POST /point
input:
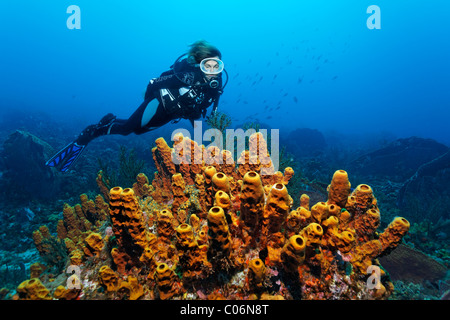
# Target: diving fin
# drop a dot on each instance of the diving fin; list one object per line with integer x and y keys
{"x": 66, "y": 156}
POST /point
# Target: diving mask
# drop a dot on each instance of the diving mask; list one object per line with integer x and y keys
{"x": 211, "y": 66}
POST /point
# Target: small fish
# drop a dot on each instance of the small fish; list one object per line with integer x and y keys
{"x": 334, "y": 78}
{"x": 295, "y": 99}
{"x": 235, "y": 76}
{"x": 274, "y": 77}
{"x": 277, "y": 108}
{"x": 245, "y": 102}
{"x": 269, "y": 117}
{"x": 300, "y": 79}
{"x": 284, "y": 95}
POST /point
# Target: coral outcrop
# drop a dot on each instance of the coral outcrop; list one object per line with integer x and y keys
{"x": 207, "y": 227}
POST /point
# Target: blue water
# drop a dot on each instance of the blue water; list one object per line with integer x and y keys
{"x": 345, "y": 77}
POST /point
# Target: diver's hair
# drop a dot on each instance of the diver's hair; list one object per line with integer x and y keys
{"x": 202, "y": 49}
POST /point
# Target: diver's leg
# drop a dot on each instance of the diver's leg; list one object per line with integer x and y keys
{"x": 110, "y": 125}
{"x": 67, "y": 156}
{"x": 149, "y": 116}
{"x": 96, "y": 130}
{"x": 137, "y": 123}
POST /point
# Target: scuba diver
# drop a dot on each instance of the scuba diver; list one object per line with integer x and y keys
{"x": 192, "y": 84}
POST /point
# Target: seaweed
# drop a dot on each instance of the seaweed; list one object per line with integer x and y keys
{"x": 219, "y": 120}
{"x": 129, "y": 167}
{"x": 57, "y": 255}
{"x": 11, "y": 274}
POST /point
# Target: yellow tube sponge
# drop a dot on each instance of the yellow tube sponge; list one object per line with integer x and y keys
{"x": 393, "y": 234}
{"x": 131, "y": 288}
{"x": 366, "y": 224}
{"x": 165, "y": 279}
{"x": 179, "y": 195}
{"x": 109, "y": 279}
{"x": 319, "y": 211}
{"x": 33, "y": 289}
{"x": 364, "y": 198}
{"x": 142, "y": 188}
{"x": 209, "y": 171}
{"x": 333, "y": 210}
{"x": 220, "y": 182}
{"x": 312, "y": 234}
{"x": 293, "y": 253}
{"x": 135, "y": 223}
{"x": 346, "y": 241}
{"x": 339, "y": 188}
{"x": 277, "y": 207}
{"x": 256, "y": 272}
{"x": 192, "y": 257}
{"x": 222, "y": 199}
{"x": 93, "y": 244}
{"x": 252, "y": 200}
{"x": 185, "y": 237}
{"x": 288, "y": 174}
{"x": 62, "y": 293}
{"x": 293, "y": 222}
{"x": 165, "y": 227}
{"x": 219, "y": 235}
{"x": 304, "y": 201}
{"x": 362, "y": 256}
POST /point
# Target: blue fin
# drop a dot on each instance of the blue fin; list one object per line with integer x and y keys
{"x": 66, "y": 156}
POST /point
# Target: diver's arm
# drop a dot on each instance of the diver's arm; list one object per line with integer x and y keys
{"x": 165, "y": 81}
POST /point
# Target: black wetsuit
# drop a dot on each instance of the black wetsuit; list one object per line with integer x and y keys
{"x": 181, "y": 92}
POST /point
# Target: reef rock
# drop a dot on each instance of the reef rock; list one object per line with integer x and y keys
{"x": 400, "y": 159}
{"x": 305, "y": 142}
{"x": 23, "y": 162}
{"x": 408, "y": 264}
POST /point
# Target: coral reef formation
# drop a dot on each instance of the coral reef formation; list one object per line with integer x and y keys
{"x": 22, "y": 155}
{"x": 206, "y": 227}
{"x": 412, "y": 265}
